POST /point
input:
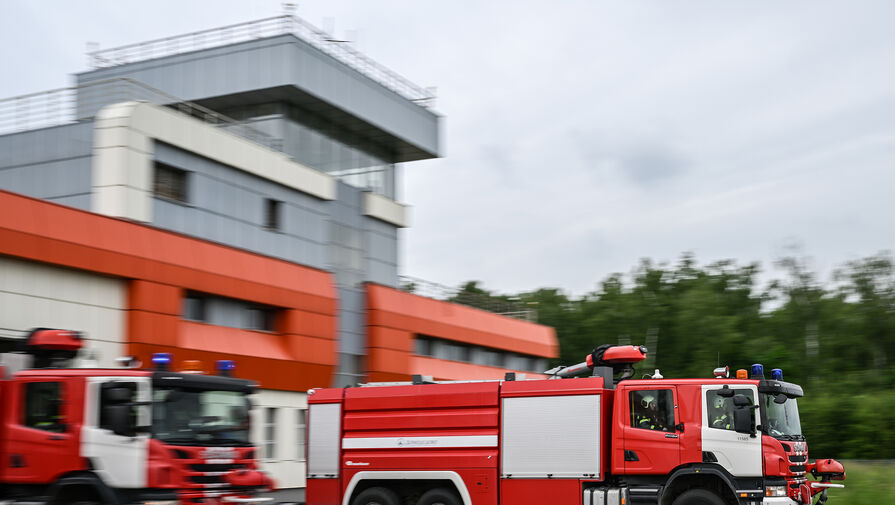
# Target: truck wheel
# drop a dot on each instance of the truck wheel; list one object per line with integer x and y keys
{"x": 438, "y": 496}
{"x": 376, "y": 496}
{"x": 698, "y": 497}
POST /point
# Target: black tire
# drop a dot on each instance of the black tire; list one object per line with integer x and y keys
{"x": 376, "y": 496}
{"x": 439, "y": 496}
{"x": 698, "y": 497}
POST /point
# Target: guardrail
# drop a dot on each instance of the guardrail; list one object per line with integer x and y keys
{"x": 501, "y": 306}
{"x": 268, "y": 27}
{"x": 79, "y": 103}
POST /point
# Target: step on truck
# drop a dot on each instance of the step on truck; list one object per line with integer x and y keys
{"x": 122, "y": 435}
{"x": 604, "y": 439}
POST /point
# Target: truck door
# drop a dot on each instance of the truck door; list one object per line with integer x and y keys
{"x": 738, "y": 453}
{"x": 42, "y": 443}
{"x": 651, "y": 437}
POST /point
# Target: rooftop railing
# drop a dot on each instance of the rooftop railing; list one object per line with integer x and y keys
{"x": 81, "y": 103}
{"x": 496, "y": 304}
{"x": 286, "y": 24}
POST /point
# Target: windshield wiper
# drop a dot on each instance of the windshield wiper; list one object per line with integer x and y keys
{"x": 180, "y": 441}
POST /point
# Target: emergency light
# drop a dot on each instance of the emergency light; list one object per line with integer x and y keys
{"x": 161, "y": 360}
{"x": 225, "y": 367}
{"x": 758, "y": 371}
{"x": 742, "y": 374}
{"x": 777, "y": 374}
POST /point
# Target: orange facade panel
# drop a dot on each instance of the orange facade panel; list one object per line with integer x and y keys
{"x": 395, "y": 318}
{"x": 162, "y": 265}
{"x": 392, "y": 308}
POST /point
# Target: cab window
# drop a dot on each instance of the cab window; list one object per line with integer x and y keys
{"x": 652, "y": 409}
{"x": 720, "y": 409}
{"x": 43, "y": 406}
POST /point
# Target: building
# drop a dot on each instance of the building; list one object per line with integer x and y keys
{"x": 232, "y": 194}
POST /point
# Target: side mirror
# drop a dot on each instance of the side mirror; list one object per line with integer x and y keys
{"x": 743, "y": 419}
{"x": 120, "y": 420}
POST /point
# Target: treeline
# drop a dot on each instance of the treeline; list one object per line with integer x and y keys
{"x": 836, "y": 338}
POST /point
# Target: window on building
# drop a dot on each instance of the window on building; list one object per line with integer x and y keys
{"x": 270, "y": 432}
{"x": 272, "y": 214}
{"x": 652, "y": 409}
{"x": 170, "y": 182}
{"x": 422, "y": 346}
{"x": 259, "y": 318}
{"x": 43, "y": 406}
{"x": 720, "y": 409}
{"x": 301, "y": 423}
{"x": 194, "y": 307}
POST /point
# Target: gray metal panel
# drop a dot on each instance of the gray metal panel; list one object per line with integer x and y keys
{"x": 551, "y": 435}
{"x": 51, "y": 163}
{"x": 324, "y": 440}
{"x": 226, "y": 205}
{"x": 308, "y": 76}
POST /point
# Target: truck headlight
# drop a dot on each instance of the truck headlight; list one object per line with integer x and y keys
{"x": 775, "y": 491}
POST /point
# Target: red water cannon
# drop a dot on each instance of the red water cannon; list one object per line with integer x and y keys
{"x": 53, "y": 348}
{"x": 606, "y": 361}
{"x": 825, "y": 470}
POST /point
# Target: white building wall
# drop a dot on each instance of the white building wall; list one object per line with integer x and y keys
{"x": 35, "y": 295}
{"x": 288, "y": 464}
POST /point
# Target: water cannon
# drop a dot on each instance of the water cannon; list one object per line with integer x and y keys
{"x": 605, "y": 361}
{"x": 53, "y": 348}
{"x": 824, "y": 470}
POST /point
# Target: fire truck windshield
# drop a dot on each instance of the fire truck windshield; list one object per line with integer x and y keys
{"x": 200, "y": 417}
{"x": 781, "y": 419}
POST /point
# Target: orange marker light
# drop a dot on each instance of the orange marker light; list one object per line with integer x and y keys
{"x": 191, "y": 366}
{"x": 742, "y": 374}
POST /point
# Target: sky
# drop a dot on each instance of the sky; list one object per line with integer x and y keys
{"x": 581, "y": 136}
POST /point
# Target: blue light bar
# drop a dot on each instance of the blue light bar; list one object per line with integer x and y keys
{"x": 225, "y": 366}
{"x": 758, "y": 371}
{"x": 161, "y": 360}
{"x": 777, "y": 374}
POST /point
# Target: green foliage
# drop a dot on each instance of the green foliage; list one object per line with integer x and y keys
{"x": 867, "y": 483}
{"x": 837, "y": 341}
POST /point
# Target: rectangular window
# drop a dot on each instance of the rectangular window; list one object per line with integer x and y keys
{"x": 272, "y": 210}
{"x": 43, "y": 406}
{"x": 194, "y": 307}
{"x": 270, "y": 432}
{"x": 422, "y": 346}
{"x": 652, "y": 409}
{"x": 259, "y": 318}
{"x": 720, "y": 409}
{"x": 170, "y": 183}
{"x": 301, "y": 421}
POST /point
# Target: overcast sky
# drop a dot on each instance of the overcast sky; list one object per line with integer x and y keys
{"x": 582, "y": 136}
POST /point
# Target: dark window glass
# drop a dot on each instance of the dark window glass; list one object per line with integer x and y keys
{"x": 170, "y": 182}
{"x": 423, "y": 346}
{"x": 272, "y": 210}
{"x": 652, "y": 409}
{"x": 43, "y": 406}
{"x": 194, "y": 307}
{"x": 259, "y": 318}
{"x": 720, "y": 409}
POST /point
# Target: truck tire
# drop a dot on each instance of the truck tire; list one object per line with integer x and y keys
{"x": 376, "y": 496}
{"x": 698, "y": 497}
{"x": 439, "y": 496}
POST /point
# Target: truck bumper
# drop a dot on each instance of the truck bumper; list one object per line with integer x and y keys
{"x": 782, "y": 500}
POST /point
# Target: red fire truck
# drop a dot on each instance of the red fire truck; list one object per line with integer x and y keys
{"x": 120, "y": 436}
{"x": 606, "y": 439}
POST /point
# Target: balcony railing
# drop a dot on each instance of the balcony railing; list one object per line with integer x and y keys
{"x": 268, "y": 27}
{"x": 498, "y": 305}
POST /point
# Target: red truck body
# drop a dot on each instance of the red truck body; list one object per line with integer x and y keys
{"x": 84, "y": 435}
{"x": 575, "y": 441}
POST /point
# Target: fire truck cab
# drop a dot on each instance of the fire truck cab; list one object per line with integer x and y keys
{"x": 602, "y": 439}
{"x": 120, "y": 436}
